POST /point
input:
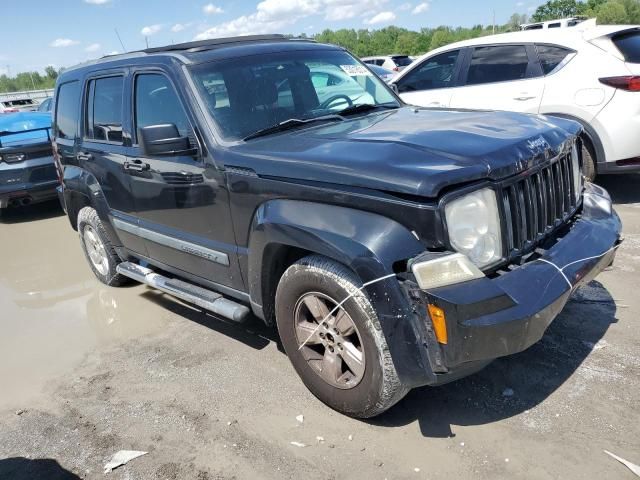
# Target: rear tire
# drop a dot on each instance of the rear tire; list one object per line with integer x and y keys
{"x": 347, "y": 364}
{"x": 98, "y": 250}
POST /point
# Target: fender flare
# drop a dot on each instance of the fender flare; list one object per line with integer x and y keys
{"x": 367, "y": 243}
{"x": 77, "y": 181}
{"x": 591, "y": 133}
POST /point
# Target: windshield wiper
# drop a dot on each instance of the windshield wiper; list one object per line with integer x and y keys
{"x": 365, "y": 107}
{"x": 291, "y": 123}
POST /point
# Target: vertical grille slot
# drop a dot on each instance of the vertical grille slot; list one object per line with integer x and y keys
{"x": 536, "y": 203}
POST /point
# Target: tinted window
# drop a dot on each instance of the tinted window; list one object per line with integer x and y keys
{"x": 629, "y": 46}
{"x": 436, "y": 72}
{"x": 157, "y": 103}
{"x": 401, "y": 61}
{"x": 554, "y": 25}
{"x": 551, "y": 56}
{"x": 67, "y": 110}
{"x": 104, "y": 109}
{"x": 497, "y": 64}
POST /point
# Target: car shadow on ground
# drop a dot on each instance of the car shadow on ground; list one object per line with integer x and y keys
{"x": 20, "y": 468}
{"x": 512, "y": 385}
{"x": 507, "y": 387}
{"x": 253, "y": 332}
{"x": 30, "y": 213}
{"x": 623, "y": 189}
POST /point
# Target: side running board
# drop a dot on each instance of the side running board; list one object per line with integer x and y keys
{"x": 211, "y": 301}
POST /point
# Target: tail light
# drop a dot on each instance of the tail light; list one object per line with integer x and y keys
{"x": 630, "y": 83}
{"x": 11, "y": 110}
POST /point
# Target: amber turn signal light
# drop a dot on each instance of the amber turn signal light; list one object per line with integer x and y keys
{"x": 439, "y": 323}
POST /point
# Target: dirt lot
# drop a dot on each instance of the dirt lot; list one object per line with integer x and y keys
{"x": 87, "y": 370}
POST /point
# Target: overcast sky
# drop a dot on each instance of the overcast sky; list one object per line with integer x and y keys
{"x": 37, "y": 33}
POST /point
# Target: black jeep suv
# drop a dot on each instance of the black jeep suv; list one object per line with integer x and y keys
{"x": 392, "y": 246}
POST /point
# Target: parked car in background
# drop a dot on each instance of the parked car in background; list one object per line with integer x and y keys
{"x": 395, "y": 63}
{"x": 27, "y": 172}
{"x": 18, "y": 105}
{"x": 383, "y": 73}
{"x": 590, "y": 75}
{"x": 45, "y": 105}
{"x": 391, "y": 245}
{"x": 559, "y": 23}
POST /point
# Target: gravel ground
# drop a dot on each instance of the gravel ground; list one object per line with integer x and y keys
{"x": 87, "y": 371}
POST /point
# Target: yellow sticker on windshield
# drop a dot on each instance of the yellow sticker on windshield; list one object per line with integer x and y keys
{"x": 355, "y": 70}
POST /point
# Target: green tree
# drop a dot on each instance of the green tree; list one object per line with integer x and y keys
{"x": 51, "y": 72}
{"x": 611, "y": 13}
{"x": 558, "y": 9}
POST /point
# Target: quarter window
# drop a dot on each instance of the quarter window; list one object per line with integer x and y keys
{"x": 157, "y": 103}
{"x": 498, "y": 64}
{"x": 67, "y": 110}
{"x": 551, "y": 56}
{"x": 436, "y": 72}
{"x": 104, "y": 109}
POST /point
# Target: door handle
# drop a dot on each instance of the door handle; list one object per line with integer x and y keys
{"x": 523, "y": 99}
{"x": 84, "y": 157}
{"x": 136, "y": 166}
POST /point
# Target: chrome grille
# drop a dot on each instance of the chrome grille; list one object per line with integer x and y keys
{"x": 537, "y": 203}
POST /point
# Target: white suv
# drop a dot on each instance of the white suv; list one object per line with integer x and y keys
{"x": 395, "y": 63}
{"x": 587, "y": 73}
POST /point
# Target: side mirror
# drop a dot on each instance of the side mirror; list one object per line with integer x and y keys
{"x": 164, "y": 140}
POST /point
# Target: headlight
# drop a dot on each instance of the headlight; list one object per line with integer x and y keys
{"x": 577, "y": 172}
{"x": 474, "y": 226}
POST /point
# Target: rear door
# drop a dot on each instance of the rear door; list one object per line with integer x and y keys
{"x": 103, "y": 149}
{"x": 181, "y": 200}
{"x": 430, "y": 84}
{"x": 501, "y": 77}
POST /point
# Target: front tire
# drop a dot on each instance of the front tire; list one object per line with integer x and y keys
{"x": 345, "y": 362}
{"x": 98, "y": 250}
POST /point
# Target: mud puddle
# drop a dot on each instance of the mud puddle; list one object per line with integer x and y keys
{"x": 53, "y": 311}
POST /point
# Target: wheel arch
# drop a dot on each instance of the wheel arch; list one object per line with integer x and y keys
{"x": 591, "y": 135}
{"x": 283, "y": 231}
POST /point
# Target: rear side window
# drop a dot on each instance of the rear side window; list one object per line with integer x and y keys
{"x": 498, "y": 64}
{"x": 67, "y": 108}
{"x": 157, "y": 103}
{"x": 629, "y": 46}
{"x": 104, "y": 109}
{"x": 551, "y": 56}
{"x": 436, "y": 72}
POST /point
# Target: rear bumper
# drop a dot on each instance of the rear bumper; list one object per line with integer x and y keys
{"x": 490, "y": 318}
{"x": 30, "y": 181}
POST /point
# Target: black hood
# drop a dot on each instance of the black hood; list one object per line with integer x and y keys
{"x": 409, "y": 150}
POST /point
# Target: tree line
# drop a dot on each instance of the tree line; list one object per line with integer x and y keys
{"x": 29, "y": 80}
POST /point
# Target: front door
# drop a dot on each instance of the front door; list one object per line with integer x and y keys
{"x": 181, "y": 202}
{"x": 431, "y": 83}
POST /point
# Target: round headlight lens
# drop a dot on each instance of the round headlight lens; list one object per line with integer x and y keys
{"x": 474, "y": 226}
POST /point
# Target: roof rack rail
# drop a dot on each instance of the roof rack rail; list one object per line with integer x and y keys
{"x": 214, "y": 42}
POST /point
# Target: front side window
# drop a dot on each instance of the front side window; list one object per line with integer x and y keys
{"x": 498, "y": 64}
{"x": 104, "y": 109}
{"x": 435, "y": 72}
{"x": 248, "y": 94}
{"x": 67, "y": 108}
{"x": 551, "y": 56}
{"x": 156, "y": 103}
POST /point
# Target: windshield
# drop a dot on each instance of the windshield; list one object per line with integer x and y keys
{"x": 246, "y": 95}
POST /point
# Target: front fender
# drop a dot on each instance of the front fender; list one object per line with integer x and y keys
{"x": 367, "y": 243}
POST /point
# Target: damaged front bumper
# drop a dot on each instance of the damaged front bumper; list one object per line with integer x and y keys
{"x": 489, "y": 318}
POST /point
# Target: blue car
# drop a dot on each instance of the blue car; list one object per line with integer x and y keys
{"x": 27, "y": 170}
